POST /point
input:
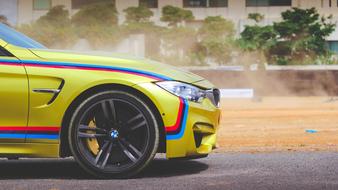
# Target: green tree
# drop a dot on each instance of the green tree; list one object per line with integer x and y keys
{"x": 97, "y": 23}
{"x": 301, "y": 36}
{"x": 175, "y": 15}
{"x": 298, "y": 39}
{"x": 97, "y": 14}
{"x": 217, "y": 26}
{"x": 140, "y": 14}
{"x": 258, "y": 38}
{"x": 138, "y": 21}
{"x": 178, "y": 43}
{"x": 53, "y": 29}
{"x": 216, "y": 39}
{"x": 57, "y": 16}
{"x": 256, "y": 17}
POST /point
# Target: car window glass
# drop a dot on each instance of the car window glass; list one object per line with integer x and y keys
{"x": 16, "y": 38}
{"x": 4, "y": 53}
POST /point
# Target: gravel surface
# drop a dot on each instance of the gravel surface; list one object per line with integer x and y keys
{"x": 283, "y": 170}
{"x": 279, "y": 123}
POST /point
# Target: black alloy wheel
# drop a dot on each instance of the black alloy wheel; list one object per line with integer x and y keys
{"x": 113, "y": 134}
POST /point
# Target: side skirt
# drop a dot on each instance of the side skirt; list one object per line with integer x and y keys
{"x": 30, "y": 150}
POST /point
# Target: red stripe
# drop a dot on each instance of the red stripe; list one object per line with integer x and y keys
{"x": 178, "y": 120}
{"x": 35, "y": 129}
{"x": 11, "y": 64}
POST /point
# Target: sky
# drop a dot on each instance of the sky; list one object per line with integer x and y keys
{"x": 9, "y": 9}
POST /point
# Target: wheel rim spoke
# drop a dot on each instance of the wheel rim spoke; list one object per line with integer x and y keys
{"x": 104, "y": 146}
{"x": 113, "y": 134}
{"x": 136, "y": 126}
{"x": 134, "y": 149}
{"x": 100, "y": 121}
{"x": 139, "y": 116}
{"x": 89, "y": 135}
{"x": 107, "y": 154}
{"x": 127, "y": 152}
{"x": 109, "y": 112}
{"x": 87, "y": 128}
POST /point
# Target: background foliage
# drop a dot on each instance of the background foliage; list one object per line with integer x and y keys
{"x": 299, "y": 38}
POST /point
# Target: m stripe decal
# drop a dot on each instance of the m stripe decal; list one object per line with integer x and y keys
{"x": 65, "y": 65}
{"x": 177, "y": 131}
{"x": 15, "y": 132}
{"x": 173, "y": 132}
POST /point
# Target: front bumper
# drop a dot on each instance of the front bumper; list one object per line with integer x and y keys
{"x": 190, "y": 127}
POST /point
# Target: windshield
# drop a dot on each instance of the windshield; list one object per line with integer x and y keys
{"x": 13, "y": 37}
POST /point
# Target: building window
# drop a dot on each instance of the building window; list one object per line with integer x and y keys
{"x": 77, "y": 4}
{"x": 205, "y": 3}
{"x": 218, "y": 3}
{"x": 149, "y": 3}
{"x": 42, "y": 4}
{"x": 333, "y": 46}
{"x": 263, "y": 3}
{"x": 195, "y": 3}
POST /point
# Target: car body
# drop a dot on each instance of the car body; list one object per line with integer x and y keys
{"x": 40, "y": 90}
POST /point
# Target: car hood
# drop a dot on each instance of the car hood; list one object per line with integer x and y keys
{"x": 122, "y": 61}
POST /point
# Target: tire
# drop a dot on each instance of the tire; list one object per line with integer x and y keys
{"x": 113, "y": 134}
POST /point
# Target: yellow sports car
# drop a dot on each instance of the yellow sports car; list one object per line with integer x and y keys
{"x": 112, "y": 113}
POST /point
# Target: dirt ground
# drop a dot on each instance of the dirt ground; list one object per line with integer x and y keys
{"x": 279, "y": 124}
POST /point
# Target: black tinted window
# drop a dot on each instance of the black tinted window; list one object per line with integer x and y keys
{"x": 258, "y": 3}
{"x": 218, "y": 3}
{"x": 77, "y": 4}
{"x": 195, "y": 3}
{"x": 149, "y": 3}
{"x": 5, "y": 53}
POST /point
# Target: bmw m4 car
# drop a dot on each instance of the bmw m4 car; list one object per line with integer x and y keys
{"x": 112, "y": 113}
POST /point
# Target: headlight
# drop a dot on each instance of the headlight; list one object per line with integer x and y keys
{"x": 183, "y": 90}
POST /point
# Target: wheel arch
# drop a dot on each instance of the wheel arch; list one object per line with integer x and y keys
{"x": 64, "y": 144}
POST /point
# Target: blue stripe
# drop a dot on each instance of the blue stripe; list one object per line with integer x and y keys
{"x": 42, "y": 136}
{"x": 67, "y": 64}
{"x": 184, "y": 123}
{"x": 12, "y": 136}
{"x": 29, "y": 136}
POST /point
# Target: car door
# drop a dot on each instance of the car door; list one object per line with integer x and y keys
{"x": 13, "y": 98}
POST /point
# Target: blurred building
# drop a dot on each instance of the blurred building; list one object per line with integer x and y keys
{"x": 235, "y": 10}
{"x": 8, "y": 8}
